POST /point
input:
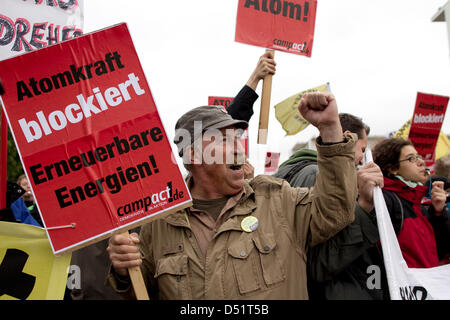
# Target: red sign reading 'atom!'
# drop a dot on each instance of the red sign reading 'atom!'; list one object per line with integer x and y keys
{"x": 277, "y": 24}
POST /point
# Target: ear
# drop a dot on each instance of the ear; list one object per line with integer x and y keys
{"x": 188, "y": 155}
{"x": 393, "y": 172}
{"x": 347, "y": 131}
{"x": 196, "y": 154}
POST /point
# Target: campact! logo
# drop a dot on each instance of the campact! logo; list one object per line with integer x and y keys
{"x": 290, "y": 46}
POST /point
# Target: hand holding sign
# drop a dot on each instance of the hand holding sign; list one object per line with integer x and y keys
{"x": 266, "y": 66}
{"x": 265, "y": 107}
{"x": 126, "y": 260}
{"x": 265, "y": 69}
{"x": 124, "y": 252}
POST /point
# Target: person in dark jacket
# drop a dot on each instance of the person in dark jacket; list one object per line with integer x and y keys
{"x": 16, "y": 210}
{"x": 422, "y": 231}
{"x": 28, "y": 198}
{"x": 241, "y": 108}
{"x": 343, "y": 267}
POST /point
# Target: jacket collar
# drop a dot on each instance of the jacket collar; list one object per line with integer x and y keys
{"x": 411, "y": 194}
{"x": 242, "y": 204}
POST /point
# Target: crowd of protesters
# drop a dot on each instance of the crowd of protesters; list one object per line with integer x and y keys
{"x": 307, "y": 232}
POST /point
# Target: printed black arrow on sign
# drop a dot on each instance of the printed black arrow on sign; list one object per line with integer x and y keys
{"x": 13, "y": 281}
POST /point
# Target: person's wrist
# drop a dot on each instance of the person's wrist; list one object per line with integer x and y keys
{"x": 252, "y": 82}
{"x": 121, "y": 277}
{"x": 331, "y": 133}
{"x": 123, "y": 282}
{"x": 439, "y": 212}
{"x": 120, "y": 272}
{"x": 365, "y": 204}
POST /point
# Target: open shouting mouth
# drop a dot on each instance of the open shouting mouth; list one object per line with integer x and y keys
{"x": 235, "y": 167}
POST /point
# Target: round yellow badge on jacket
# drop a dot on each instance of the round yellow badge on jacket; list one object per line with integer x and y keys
{"x": 249, "y": 224}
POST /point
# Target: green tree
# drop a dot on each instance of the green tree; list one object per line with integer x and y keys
{"x": 14, "y": 166}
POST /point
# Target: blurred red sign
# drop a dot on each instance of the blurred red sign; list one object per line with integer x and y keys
{"x": 226, "y": 101}
{"x": 429, "y": 114}
{"x": 271, "y": 163}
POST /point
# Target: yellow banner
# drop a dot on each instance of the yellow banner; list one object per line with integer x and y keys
{"x": 442, "y": 145}
{"x": 287, "y": 113}
{"x": 28, "y": 268}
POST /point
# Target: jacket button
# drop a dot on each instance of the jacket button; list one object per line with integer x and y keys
{"x": 266, "y": 248}
{"x": 243, "y": 254}
{"x": 180, "y": 247}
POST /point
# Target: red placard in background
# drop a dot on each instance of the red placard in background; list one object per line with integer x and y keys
{"x": 271, "y": 163}
{"x": 226, "y": 101}
{"x": 90, "y": 138}
{"x": 220, "y": 101}
{"x": 429, "y": 114}
{"x": 274, "y": 24}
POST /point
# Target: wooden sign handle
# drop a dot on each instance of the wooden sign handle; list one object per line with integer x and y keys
{"x": 137, "y": 280}
{"x": 265, "y": 108}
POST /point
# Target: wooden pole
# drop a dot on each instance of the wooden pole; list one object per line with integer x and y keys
{"x": 265, "y": 108}
{"x": 137, "y": 280}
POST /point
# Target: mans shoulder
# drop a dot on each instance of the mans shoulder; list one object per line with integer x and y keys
{"x": 263, "y": 180}
{"x": 265, "y": 184}
{"x": 268, "y": 184}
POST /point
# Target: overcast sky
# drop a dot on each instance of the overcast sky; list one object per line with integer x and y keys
{"x": 376, "y": 55}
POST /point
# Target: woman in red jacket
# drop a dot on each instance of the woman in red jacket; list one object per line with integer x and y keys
{"x": 422, "y": 231}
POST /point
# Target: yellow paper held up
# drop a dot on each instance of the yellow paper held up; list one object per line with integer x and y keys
{"x": 287, "y": 113}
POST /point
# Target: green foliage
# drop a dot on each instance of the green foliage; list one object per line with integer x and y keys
{"x": 14, "y": 166}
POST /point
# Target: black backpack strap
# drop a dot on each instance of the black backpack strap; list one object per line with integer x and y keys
{"x": 402, "y": 214}
{"x": 401, "y": 210}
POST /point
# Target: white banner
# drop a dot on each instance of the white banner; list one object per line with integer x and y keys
{"x": 406, "y": 283}
{"x": 27, "y": 25}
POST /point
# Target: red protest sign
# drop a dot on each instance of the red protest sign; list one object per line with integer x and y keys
{"x": 90, "y": 138}
{"x": 220, "y": 101}
{"x": 427, "y": 120}
{"x": 274, "y": 24}
{"x": 226, "y": 101}
{"x": 271, "y": 163}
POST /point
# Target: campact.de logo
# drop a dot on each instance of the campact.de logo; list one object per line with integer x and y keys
{"x": 289, "y": 45}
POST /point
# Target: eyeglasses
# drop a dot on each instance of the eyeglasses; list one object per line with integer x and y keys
{"x": 412, "y": 159}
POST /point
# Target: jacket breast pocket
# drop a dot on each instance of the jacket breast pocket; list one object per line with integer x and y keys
{"x": 172, "y": 276}
{"x": 244, "y": 266}
{"x": 271, "y": 265}
{"x": 255, "y": 262}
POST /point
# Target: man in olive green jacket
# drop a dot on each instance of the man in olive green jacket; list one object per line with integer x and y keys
{"x": 241, "y": 239}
